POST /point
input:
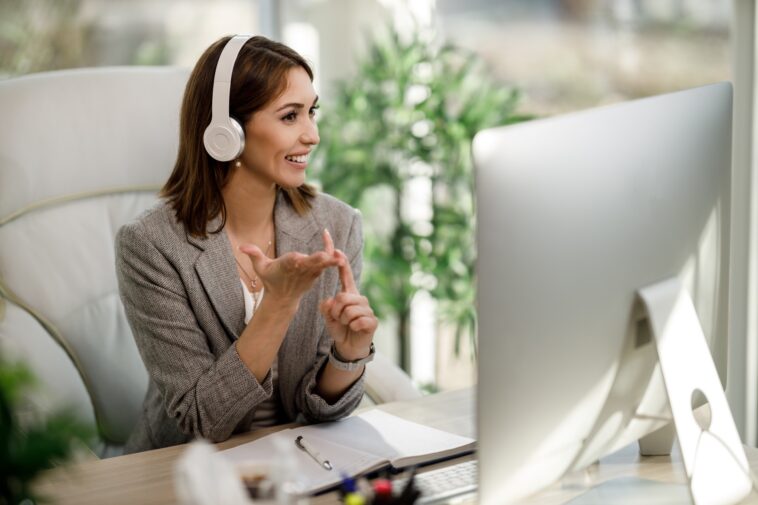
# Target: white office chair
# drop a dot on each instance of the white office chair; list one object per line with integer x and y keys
{"x": 81, "y": 153}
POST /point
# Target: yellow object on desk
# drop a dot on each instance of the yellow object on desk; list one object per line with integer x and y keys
{"x": 354, "y": 499}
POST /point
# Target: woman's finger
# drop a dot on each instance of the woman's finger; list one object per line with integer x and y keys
{"x": 257, "y": 257}
{"x": 319, "y": 261}
{"x": 346, "y": 274}
{"x": 365, "y": 324}
{"x": 325, "y": 309}
{"x": 342, "y": 300}
{"x": 328, "y": 242}
{"x": 353, "y": 312}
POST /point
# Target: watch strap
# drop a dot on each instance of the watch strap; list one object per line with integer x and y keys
{"x": 338, "y": 362}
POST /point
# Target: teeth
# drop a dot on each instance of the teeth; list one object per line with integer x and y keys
{"x": 297, "y": 159}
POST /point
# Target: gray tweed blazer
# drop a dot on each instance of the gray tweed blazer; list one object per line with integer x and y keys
{"x": 185, "y": 306}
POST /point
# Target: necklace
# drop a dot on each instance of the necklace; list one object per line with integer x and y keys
{"x": 253, "y": 280}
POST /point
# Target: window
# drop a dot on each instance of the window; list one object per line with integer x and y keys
{"x": 571, "y": 54}
{"x": 39, "y": 35}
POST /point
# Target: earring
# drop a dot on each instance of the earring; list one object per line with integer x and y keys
{"x": 237, "y": 163}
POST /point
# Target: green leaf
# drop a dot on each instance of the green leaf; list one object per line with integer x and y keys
{"x": 27, "y": 449}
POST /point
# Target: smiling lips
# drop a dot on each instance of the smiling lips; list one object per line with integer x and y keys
{"x": 298, "y": 158}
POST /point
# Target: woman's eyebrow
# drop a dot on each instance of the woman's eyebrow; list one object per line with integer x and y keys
{"x": 296, "y": 105}
{"x": 293, "y": 104}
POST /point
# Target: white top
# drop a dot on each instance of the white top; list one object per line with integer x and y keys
{"x": 268, "y": 412}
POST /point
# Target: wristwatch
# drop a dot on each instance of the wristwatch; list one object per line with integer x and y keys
{"x": 338, "y": 362}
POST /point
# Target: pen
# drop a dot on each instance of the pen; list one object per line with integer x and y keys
{"x": 410, "y": 493}
{"x": 312, "y": 452}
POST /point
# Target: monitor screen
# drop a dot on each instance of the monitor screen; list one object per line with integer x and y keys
{"x": 576, "y": 214}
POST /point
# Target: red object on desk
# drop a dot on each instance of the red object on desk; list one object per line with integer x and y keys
{"x": 382, "y": 492}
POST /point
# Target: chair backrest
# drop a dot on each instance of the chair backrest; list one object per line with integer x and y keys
{"x": 81, "y": 153}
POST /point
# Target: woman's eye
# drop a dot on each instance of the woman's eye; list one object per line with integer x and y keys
{"x": 313, "y": 110}
{"x": 290, "y": 117}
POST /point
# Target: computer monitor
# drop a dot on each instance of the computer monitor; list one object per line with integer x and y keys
{"x": 575, "y": 214}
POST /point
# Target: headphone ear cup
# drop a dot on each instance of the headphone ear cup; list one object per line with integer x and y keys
{"x": 224, "y": 141}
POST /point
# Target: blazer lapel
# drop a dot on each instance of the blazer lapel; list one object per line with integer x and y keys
{"x": 293, "y": 231}
{"x": 218, "y": 273}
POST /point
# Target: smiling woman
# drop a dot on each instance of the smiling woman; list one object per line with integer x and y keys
{"x": 237, "y": 221}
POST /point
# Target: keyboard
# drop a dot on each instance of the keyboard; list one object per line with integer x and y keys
{"x": 443, "y": 484}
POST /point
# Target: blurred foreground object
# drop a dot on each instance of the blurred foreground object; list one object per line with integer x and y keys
{"x": 28, "y": 443}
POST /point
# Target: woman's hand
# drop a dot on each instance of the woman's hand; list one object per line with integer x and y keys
{"x": 349, "y": 318}
{"x": 290, "y": 276}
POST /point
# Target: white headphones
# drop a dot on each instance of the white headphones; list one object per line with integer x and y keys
{"x": 224, "y": 138}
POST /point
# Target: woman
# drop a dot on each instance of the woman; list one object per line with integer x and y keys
{"x": 240, "y": 284}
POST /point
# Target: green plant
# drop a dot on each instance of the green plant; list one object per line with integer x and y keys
{"x": 27, "y": 448}
{"x": 407, "y": 119}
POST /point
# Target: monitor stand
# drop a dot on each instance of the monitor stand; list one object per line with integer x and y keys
{"x": 714, "y": 460}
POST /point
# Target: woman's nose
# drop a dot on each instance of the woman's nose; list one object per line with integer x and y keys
{"x": 310, "y": 134}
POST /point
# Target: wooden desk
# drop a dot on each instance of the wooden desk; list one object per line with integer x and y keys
{"x": 147, "y": 478}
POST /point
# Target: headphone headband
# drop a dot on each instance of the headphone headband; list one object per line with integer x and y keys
{"x": 222, "y": 80}
{"x": 224, "y": 138}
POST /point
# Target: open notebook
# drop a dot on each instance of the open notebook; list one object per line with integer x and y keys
{"x": 355, "y": 445}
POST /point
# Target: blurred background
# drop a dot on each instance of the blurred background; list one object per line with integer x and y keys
{"x": 404, "y": 86}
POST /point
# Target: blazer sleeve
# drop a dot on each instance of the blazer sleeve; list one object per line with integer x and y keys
{"x": 312, "y": 406}
{"x": 206, "y": 395}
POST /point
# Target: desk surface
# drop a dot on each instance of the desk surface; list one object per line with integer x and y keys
{"x": 626, "y": 463}
{"x": 147, "y": 478}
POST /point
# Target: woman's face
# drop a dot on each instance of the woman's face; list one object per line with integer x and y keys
{"x": 279, "y": 137}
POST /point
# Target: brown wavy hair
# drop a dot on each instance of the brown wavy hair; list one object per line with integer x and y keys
{"x": 260, "y": 75}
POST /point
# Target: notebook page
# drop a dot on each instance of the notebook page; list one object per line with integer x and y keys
{"x": 312, "y": 476}
{"x": 398, "y": 441}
